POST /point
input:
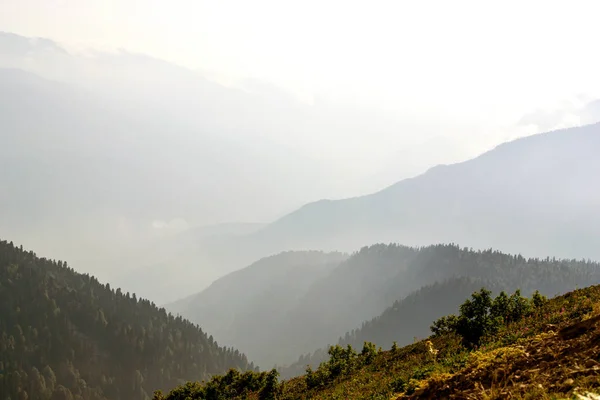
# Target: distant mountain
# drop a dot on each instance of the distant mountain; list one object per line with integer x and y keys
{"x": 245, "y": 308}
{"x": 119, "y": 193}
{"x": 131, "y": 150}
{"x": 64, "y": 335}
{"x": 359, "y": 289}
{"x": 535, "y": 196}
{"x": 402, "y": 322}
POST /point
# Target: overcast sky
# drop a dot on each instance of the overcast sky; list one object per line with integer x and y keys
{"x": 482, "y": 60}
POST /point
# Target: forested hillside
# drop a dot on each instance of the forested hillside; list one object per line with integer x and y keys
{"x": 64, "y": 335}
{"x": 242, "y": 309}
{"x": 371, "y": 280}
{"x": 405, "y": 320}
{"x": 445, "y": 274}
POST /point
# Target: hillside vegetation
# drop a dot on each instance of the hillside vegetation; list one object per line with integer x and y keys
{"x": 310, "y": 299}
{"x": 238, "y": 307}
{"x": 66, "y": 336}
{"x": 509, "y": 346}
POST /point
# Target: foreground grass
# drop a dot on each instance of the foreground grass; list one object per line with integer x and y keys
{"x": 552, "y": 354}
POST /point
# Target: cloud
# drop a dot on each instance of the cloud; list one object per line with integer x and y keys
{"x": 567, "y": 114}
{"x": 170, "y": 227}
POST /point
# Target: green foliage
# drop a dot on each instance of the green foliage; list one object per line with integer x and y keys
{"x": 538, "y": 299}
{"x": 475, "y": 319}
{"x": 232, "y": 385}
{"x": 271, "y": 388}
{"x": 369, "y": 351}
{"x": 342, "y": 362}
{"x": 316, "y": 379}
{"x": 410, "y": 369}
{"x": 483, "y": 315}
{"x": 65, "y": 335}
{"x": 444, "y": 325}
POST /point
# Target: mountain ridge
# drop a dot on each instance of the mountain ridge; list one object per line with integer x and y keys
{"x": 355, "y": 291}
{"x": 425, "y": 208}
{"x": 65, "y": 335}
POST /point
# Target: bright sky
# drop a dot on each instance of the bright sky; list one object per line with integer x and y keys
{"x": 468, "y": 59}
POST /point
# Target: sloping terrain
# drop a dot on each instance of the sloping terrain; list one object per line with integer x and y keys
{"x": 305, "y": 309}
{"x": 65, "y": 335}
{"x": 533, "y": 196}
{"x": 550, "y": 351}
{"x": 405, "y": 320}
{"x": 246, "y": 308}
{"x": 552, "y": 362}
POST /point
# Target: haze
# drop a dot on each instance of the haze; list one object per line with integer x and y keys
{"x": 134, "y": 130}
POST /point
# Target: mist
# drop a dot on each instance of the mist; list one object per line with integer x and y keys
{"x": 111, "y": 158}
{"x": 191, "y": 189}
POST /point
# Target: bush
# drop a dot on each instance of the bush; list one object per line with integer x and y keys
{"x": 342, "y": 361}
{"x": 233, "y": 385}
{"x": 369, "y": 351}
{"x": 481, "y": 315}
{"x": 315, "y": 379}
{"x": 444, "y": 325}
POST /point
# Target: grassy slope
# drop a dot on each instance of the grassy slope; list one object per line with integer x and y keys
{"x": 552, "y": 354}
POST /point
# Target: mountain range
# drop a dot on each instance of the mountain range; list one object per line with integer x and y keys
{"x": 533, "y": 196}
{"x": 294, "y": 303}
{"x": 123, "y": 199}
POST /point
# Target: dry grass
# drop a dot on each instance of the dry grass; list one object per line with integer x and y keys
{"x": 551, "y": 355}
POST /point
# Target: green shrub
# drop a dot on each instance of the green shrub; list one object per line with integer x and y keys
{"x": 369, "y": 351}
{"x": 482, "y": 316}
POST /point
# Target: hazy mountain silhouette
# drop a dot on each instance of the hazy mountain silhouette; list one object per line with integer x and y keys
{"x": 116, "y": 189}
{"x": 247, "y": 306}
{"x": 130, "y": 151}
{"x": 534, "y": 195}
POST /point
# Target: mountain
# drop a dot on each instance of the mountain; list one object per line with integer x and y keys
{"x": 131, "y": 151}
{"x": 245, "y": 308}
{"x": 360, "y": 288}
{"x": 534, "y": 196}
{"x": 404, "y": 321}
{"x": 531, "y": 348}
{"x": 65, "y": 335}
{"x": 112, "y": 180}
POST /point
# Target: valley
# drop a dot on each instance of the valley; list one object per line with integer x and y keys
{"x": 273, "y": 201}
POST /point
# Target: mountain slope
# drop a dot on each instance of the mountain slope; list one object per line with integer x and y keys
{"x": 64, "y": 335}
{"x": 370, "y": 281}
{"x": 549, "y": 350}
{"x": 244, "y": 309}
{"x": 534, "y": 196}
{"x": 402, "y": 322}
